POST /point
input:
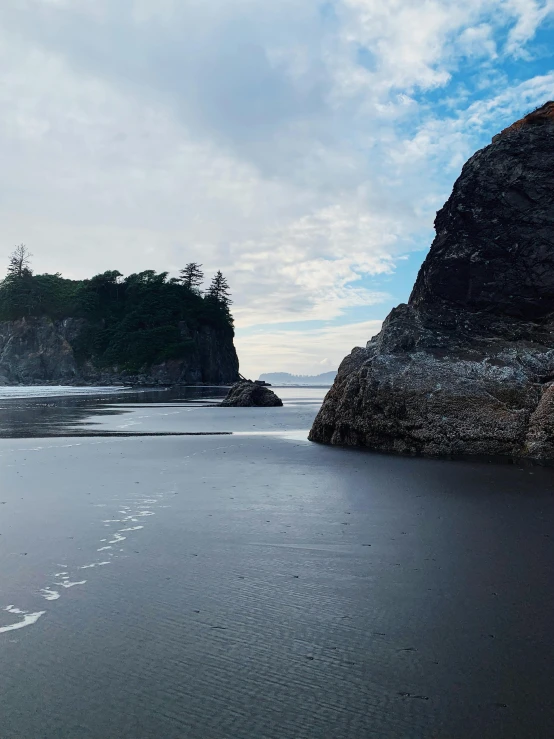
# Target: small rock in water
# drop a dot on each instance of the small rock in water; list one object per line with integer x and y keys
{"x": 248, "y": 394}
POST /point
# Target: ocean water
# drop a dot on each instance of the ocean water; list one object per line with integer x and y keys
{"x": 246, "y": 583}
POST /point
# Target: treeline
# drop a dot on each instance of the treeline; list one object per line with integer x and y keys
{"x": 131, "y": 321}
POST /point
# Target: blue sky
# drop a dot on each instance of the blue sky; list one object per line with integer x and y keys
{"x": 300, "y": 146}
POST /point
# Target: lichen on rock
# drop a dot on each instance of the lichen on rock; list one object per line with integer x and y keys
{"x": 465, "y": 368}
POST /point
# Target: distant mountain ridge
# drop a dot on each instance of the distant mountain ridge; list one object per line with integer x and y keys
{"x": 285, "y": 378}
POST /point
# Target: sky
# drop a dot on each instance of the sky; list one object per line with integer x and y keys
{"x": 303, "y": 147}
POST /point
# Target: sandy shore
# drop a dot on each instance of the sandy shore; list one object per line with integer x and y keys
{"x": 255, "y": 585}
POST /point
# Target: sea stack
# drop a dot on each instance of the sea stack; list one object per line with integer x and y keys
{"x": 466, "y": 367}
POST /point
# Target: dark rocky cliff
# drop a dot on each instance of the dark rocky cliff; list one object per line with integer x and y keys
{"x": 41, "y": 350}
{"x": 467, "y": 366}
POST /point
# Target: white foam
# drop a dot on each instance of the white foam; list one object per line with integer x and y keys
{"x": 67, "y": 584}
{"x": 28, "y": 619}
{"x": 49, "y": 594}
{"x": 129, "y": 515}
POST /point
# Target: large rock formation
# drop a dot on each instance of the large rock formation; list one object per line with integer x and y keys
{"x": 43, "y": 351}
{"x": 247, "y": 394}
{"x": 467, "y": 366}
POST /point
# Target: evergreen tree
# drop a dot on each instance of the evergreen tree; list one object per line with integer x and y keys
{"x": 20, "y": 260}
{"x": 219, "y": 290}
{"x": 192, "y": 276}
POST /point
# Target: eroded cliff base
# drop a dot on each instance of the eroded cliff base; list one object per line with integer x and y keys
{"x": 42, "y": 351}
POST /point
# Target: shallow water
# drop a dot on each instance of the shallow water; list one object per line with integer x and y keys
{"x": 256, "y": 585}
{"x": 51, "y": 411}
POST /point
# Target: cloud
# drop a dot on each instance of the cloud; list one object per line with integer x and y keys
{"x": 301, "y": 147}
{"x": 300, "y": 351}
{"x": 451, "y": 140}
{"x": 529, "y": 15}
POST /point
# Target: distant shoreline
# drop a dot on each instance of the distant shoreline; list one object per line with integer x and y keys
{"x": 325, "y": 379}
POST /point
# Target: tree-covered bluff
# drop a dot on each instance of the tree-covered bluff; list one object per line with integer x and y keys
{"x": 142, "y": 328}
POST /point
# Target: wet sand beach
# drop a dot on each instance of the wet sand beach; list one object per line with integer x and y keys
{"x": 252, "y": 585}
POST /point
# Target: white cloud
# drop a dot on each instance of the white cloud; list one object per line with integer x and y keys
{"x": 452, "y": 140}
{"x": 529, "y": 15}
{"x": 478, "y": 41}
{"x": 300, "y": 352}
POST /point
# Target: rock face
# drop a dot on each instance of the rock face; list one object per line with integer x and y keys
{"x": 36, "y": 351}
{"x": 249, "y": 394}
{"x": 467, "y": 366}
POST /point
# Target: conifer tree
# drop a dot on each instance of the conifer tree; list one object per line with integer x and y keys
{"x": 20, "y": 259}
{"x": 192, "y": 276}
{"x": 219, "y": 290}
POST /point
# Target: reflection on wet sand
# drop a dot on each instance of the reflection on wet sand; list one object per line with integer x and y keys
{"x": 39, "y": 417}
